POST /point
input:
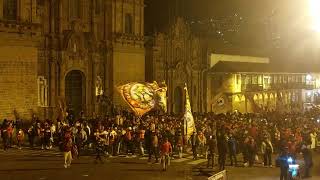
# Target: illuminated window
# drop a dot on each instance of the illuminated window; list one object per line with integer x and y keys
{"x": 10, "y": 10}
{"x": 285, "y": 79}
{"x": 243, "y": 79}
{"x": 260, "y": 79}
{"x": 275, "y": 79}
{"x": 128, "y": 24}
{"x": 303, "y": 78}
{"x": 248, "y": 79}
{"x": 255, "y": 79}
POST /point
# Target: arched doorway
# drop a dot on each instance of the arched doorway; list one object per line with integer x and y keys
{"x": 178, "y": 100}
{"x": 75, "y": 91}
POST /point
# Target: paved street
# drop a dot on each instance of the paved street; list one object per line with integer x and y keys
{"x": 29, "y": 164}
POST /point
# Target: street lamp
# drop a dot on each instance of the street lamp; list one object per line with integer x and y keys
{"x": 314, "y": 8}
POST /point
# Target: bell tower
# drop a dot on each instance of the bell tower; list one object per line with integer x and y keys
{"x": 127, "y": 43}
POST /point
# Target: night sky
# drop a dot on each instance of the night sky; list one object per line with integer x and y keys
{"x": 254, "y": 27}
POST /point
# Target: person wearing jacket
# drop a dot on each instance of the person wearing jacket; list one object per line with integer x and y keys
{"x": 232, "y": 146}
{"x": 222, "y": 148}
{"x": 267, "y": 150}
{"x": 194, "y": 145}
{"x": 212, "y": 145}
{"x": 307, "y": 157}
{"x": 252, "y": 151}
{"x": 284, "y": 165}
{"x": 67, "y": 147}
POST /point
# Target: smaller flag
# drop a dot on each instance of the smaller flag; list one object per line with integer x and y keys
{"x": 188, "y": 117}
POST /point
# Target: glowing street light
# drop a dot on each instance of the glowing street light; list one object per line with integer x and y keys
{"x": 314, "y": 7}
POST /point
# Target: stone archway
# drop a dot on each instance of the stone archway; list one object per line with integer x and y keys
{"x": 178, "y": 100}
{"x": 75, "y": 91}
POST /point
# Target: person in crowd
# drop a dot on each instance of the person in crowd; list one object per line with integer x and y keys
{"x": 283, "y": 163}
{"x": 222, "y": 148}
{"x": 67, "y": 147}
{"x": 154, "y": 146}
{"x": 166, "y": 150}
{"x": 212, "y": 145}
{"x": 80, "y": 139}
{"x": 313, "y": 137}
{"x": 232, "y": 147}
{"x": 194, "y": 145}
{"x": 277, "y": 138}
{"x": 112, "y": 141}
{"x": 179, "y": 143}
{"x": 20, "y": 138}
{"x": 202, "y": 141}
{"x": 141, "y": 140}
{"x": 129, "y": 141}
{"x": 307, "y": 156}
{"x": 31, "y": 135}
{"x": 267, "y": 151}
{"x": 252, "y": 151}
{"x": 148, "y": 142}
{"x": 47, "y": 135}
{"x": 100, "y": 144}
{"x": 10, "y": 131}
{"x": 5, "y": 134}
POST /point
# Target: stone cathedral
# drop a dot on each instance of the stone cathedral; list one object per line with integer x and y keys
{"x": 177, "y": 56}
{"x": 55, "y": 52}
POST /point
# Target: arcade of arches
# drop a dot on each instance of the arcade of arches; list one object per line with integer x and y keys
{"x": 255, "y": 102}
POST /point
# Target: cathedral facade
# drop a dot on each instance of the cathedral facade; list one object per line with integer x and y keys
{"x": 58, "y": 53}
{"x": 178, "y": 57}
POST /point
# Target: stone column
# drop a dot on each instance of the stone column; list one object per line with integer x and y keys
{"x": 52, "y": 83}
{"x": 1, "y": 9}
{"x": 94, "y": 79}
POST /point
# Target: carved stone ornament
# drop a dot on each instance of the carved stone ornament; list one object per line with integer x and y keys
{"x": 180, "y": 72}
{"x": 99, "y": 89}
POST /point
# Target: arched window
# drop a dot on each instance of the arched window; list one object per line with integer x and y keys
{"x": 10, "y": 10}
{"x": 128, "y": 24}
{"x": 74, "y": 7}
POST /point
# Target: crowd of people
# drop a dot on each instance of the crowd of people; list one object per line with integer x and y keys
{"x": 255, "y": 136}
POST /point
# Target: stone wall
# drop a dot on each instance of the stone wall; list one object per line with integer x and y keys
{"x": 18, "y": 81}
{"x": 128, "y": 66}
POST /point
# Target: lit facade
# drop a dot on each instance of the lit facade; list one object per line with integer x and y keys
{"x": 234, "y": 88}
{"x": 177, "y": 56}
{"x": 62, "y": 53}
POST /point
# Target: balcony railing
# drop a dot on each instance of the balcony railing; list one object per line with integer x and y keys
{"x": 252, "y": 87}
{"x": 276, "y": 86}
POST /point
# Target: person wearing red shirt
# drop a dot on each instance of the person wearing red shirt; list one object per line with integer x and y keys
{"x": 67, "y": 147}
{"x": 166, "y": 150}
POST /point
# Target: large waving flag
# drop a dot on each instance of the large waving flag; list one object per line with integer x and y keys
{"x": 142, "y": 97}
{"x": 188, "y": 117}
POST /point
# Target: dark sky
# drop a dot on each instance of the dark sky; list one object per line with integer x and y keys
{"x": 265, "y": 23}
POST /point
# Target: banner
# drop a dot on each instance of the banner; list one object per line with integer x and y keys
{"x": 188, "y": 117}
{"x": 142, "y": 97}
